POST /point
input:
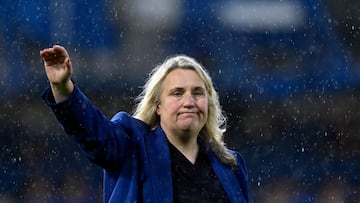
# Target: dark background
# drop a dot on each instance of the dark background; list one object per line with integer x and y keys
{"x": 287, "y": 73}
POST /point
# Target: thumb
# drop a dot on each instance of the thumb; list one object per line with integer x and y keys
{"x": 68, "y": 63}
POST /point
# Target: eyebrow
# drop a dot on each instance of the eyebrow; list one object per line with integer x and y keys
{"x": 192, "y": 88}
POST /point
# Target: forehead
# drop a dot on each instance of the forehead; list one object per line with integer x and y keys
{"x": 183, "y": 78}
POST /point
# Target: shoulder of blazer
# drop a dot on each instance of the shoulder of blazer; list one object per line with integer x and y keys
{"x": 127, "y": 121}
{"x": 241, "y": 173}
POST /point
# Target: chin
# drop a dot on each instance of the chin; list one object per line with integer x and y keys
{"x": 189, "y": 129}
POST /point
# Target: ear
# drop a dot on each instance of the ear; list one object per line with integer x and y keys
{"x": 158, "y": 110}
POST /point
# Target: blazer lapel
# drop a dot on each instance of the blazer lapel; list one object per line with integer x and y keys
{"x": 160, "y": 168}
{"x": 227, "y": 178}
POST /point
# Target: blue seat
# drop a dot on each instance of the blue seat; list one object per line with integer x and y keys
{"x": 24, "y": 26}
{"x": 271, "y": 56}
{"x": 28, "y": 26}
{"x": 92, "y": 26}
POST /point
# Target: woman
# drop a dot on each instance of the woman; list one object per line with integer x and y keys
{"x": 170, "y": 150}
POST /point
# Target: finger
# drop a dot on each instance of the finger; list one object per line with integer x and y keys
{"x": 47, "y": 54}
{"x": 68, "y": 63}
{"x": 56, "y": 50}
{"x": 51, "y": 56}
{"x": 44, "y": 52}
{"x": 60, "y": 50}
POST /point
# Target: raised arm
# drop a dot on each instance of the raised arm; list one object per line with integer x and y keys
{"x": 59, "y": 71}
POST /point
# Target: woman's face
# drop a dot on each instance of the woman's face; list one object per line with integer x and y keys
{"x": 183, "y": 107}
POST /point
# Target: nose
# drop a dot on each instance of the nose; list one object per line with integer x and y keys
{"x": 189, "y": 100}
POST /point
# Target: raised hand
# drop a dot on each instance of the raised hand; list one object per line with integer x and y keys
{"x": 58, "y": 70}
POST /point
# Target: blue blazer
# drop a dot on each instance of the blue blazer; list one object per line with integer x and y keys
{"x": 135, "y": 158}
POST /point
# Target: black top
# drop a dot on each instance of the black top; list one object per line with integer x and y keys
{"x": 194, "y": 182}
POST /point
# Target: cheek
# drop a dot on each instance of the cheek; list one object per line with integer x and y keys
{"x": 166, "y": 109}
{"x": 204, "y": 105}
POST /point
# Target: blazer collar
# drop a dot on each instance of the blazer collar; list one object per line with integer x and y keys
{"x": 228, "y": 179}
{"x": 160, "y": 166}
{"x": 160, "y": 170}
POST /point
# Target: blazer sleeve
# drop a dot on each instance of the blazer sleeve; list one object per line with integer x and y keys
{"x": 105, "y": 142}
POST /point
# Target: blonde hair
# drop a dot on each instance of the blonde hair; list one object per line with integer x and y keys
{"x": 149, "y": 99}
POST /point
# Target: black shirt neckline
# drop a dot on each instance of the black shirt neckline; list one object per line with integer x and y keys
{"x": 194, "y": 182}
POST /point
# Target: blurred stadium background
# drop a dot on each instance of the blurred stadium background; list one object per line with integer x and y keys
{"x": 287, "y": 72}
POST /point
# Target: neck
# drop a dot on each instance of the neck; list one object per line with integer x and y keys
{"x": 187, "y": 145}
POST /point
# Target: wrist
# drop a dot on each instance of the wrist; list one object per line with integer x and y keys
{"x": 62, "y": 91}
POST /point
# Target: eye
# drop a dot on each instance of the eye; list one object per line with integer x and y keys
{"x": 176, "y": 93}
{"x": 198, "y": 93}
